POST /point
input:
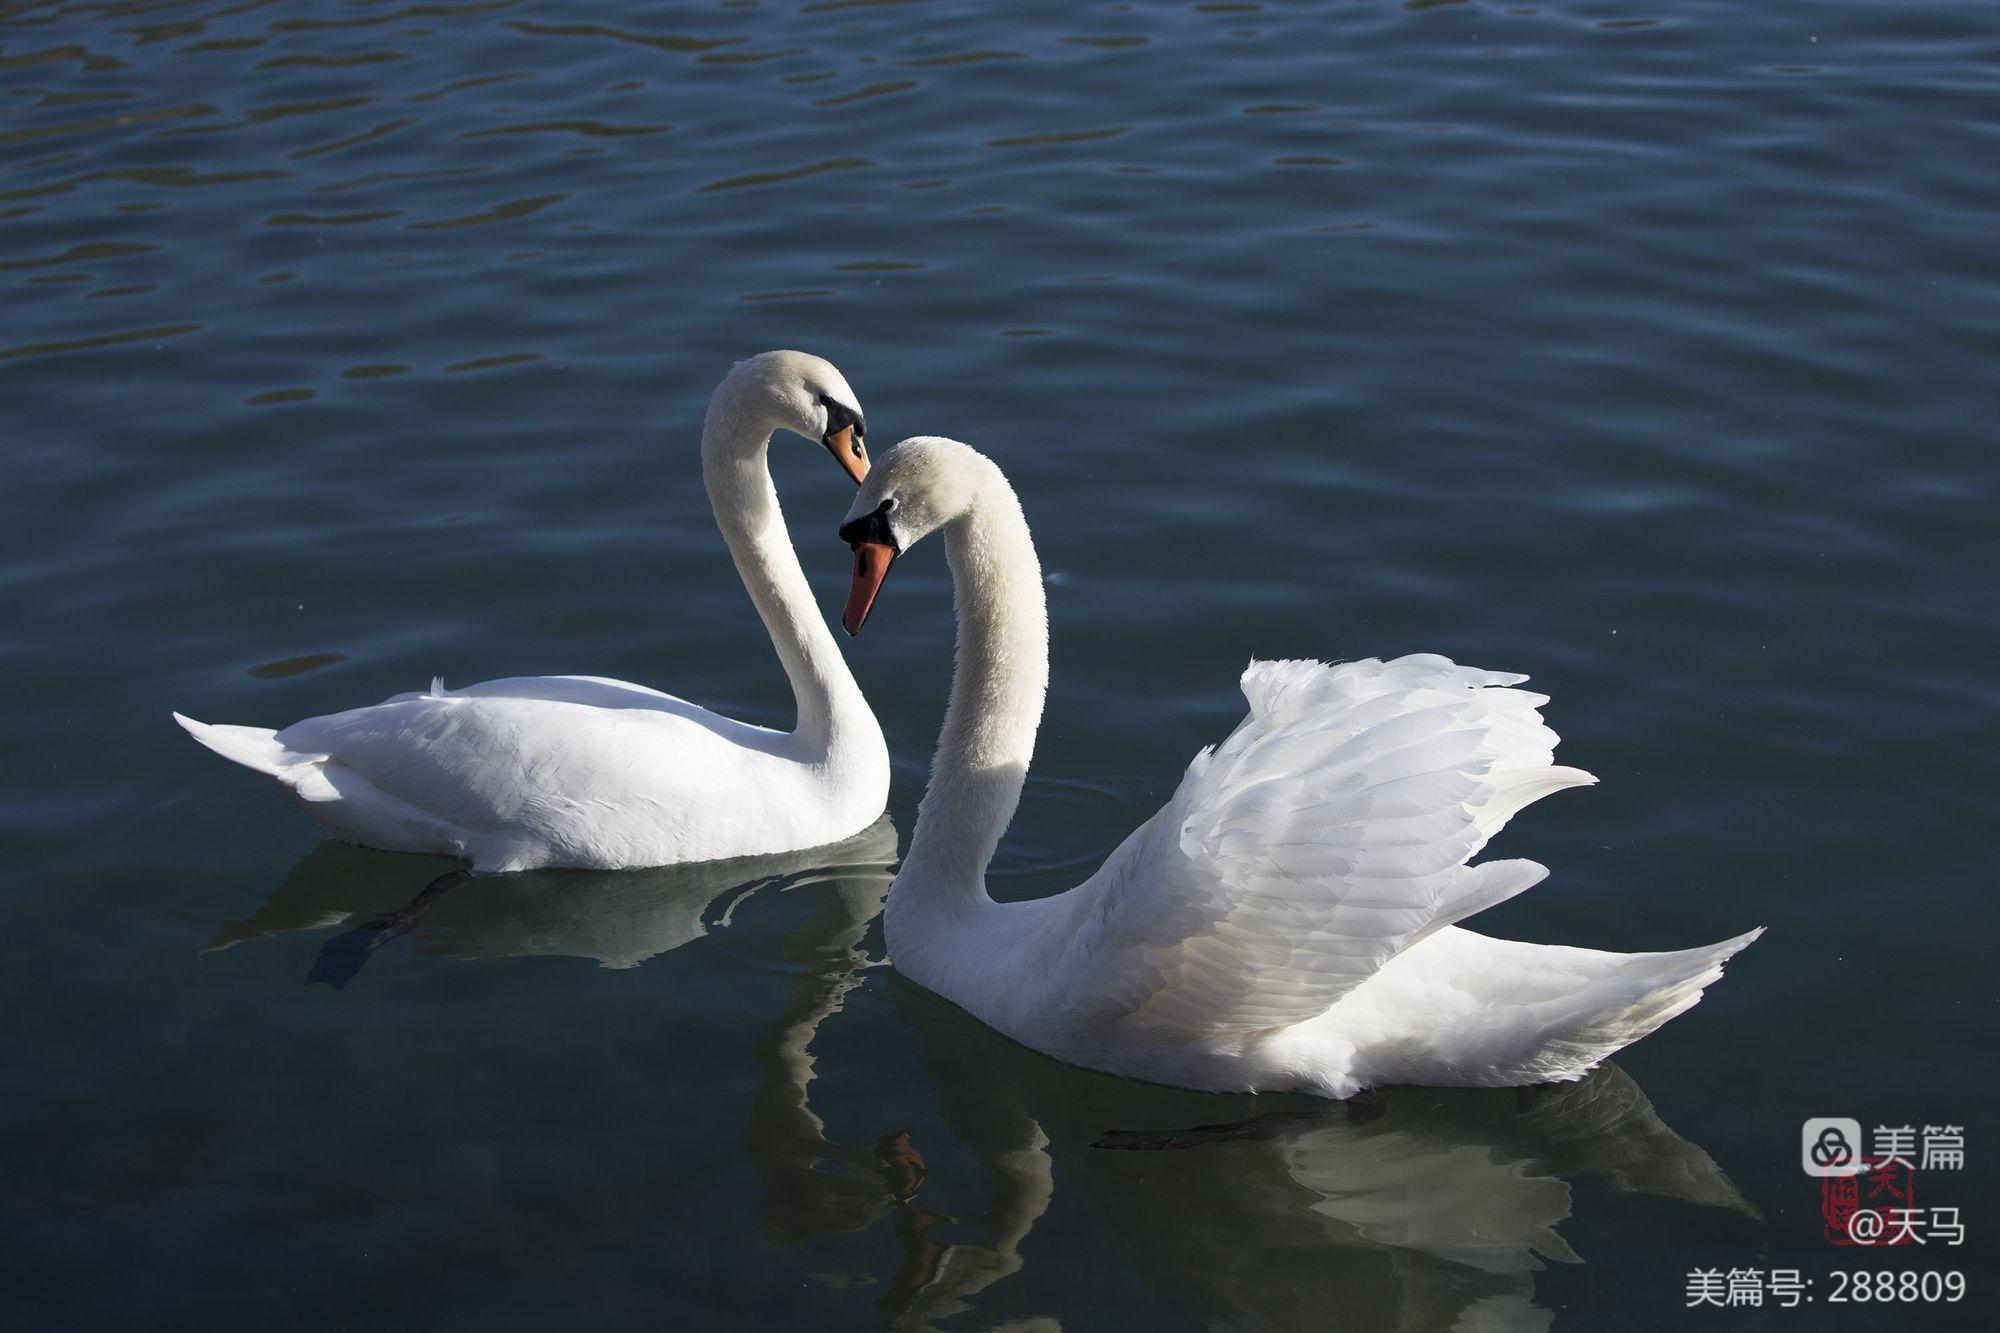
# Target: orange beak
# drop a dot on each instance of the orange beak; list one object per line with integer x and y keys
{"x": 848, "y": 451}
{"x": 871, "y": 566}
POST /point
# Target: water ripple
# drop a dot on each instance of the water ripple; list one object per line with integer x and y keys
{"x": 467, "y": 84}
{"x": 91, "y": 126}
{"x": 76, "y": 253}
{"x": 595, "y": 129}
{"x": 674, "y": 42}
{"x": 1055, "y": 137}
{"x": 284, "y": 668}
{"x": 872, "y": 90}
{"x": 98, "y": 341}
{"x": 789, "y": 174}
{"x": 510, "y": 211}
{"x": 379, "y": 131}
{"x": 492, "y": 362}
{"x": 331, "y": 61}
{"x": 331, "y": 219}
{"x": 961, "y": 58}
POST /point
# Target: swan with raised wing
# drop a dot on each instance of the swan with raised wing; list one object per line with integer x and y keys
{"x": 1285, "y": 922}
{"x": 584, "y": 772}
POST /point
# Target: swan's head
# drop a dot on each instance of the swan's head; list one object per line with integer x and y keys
{"x": 923, "y": 484}
{"x": 804, "y": 394}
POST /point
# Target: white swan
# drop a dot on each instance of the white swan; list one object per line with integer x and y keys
{"x": 1285, "y": 922}
{"x": 578, "y": 771}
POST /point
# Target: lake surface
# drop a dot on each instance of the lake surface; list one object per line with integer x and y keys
{"x": 1645, "y": 346}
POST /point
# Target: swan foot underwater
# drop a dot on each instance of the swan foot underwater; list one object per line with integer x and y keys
{"x": 1287, "y": 922}
{"x": 580, "y": 772}
{"x": 341, "y": 958}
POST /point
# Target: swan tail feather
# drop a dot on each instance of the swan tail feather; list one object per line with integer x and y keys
{"x": 1468, "y": 1009}
{"x": 1633, "y": 997}
{"x": 259, "y": 750}
{"x": 1660, "y": 986}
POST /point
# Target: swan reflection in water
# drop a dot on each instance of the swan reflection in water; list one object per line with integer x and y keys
{"x": 618, "y": 918}
{"x": 813, "y": 1187}
{"x": 1413, "y": 1209}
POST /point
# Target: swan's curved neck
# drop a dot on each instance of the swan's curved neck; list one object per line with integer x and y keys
{"x": 997, "y": 691}
{"x": 737, "y": 473}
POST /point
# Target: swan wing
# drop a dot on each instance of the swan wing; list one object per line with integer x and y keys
{"x": 493, "y": 753}
{"x": 539, "y": 771}
{"x": 1328, "y": 833}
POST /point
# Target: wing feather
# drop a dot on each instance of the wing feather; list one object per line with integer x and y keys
{"x": 1328, "y": 833}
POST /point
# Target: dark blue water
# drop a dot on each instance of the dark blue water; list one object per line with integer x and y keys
{"x": 1645, "y": 347}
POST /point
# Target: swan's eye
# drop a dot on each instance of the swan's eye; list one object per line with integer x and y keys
{"x": 872, "y": 527}
{"x": 839, "y": 414}
{"x": 889, "y": 505}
